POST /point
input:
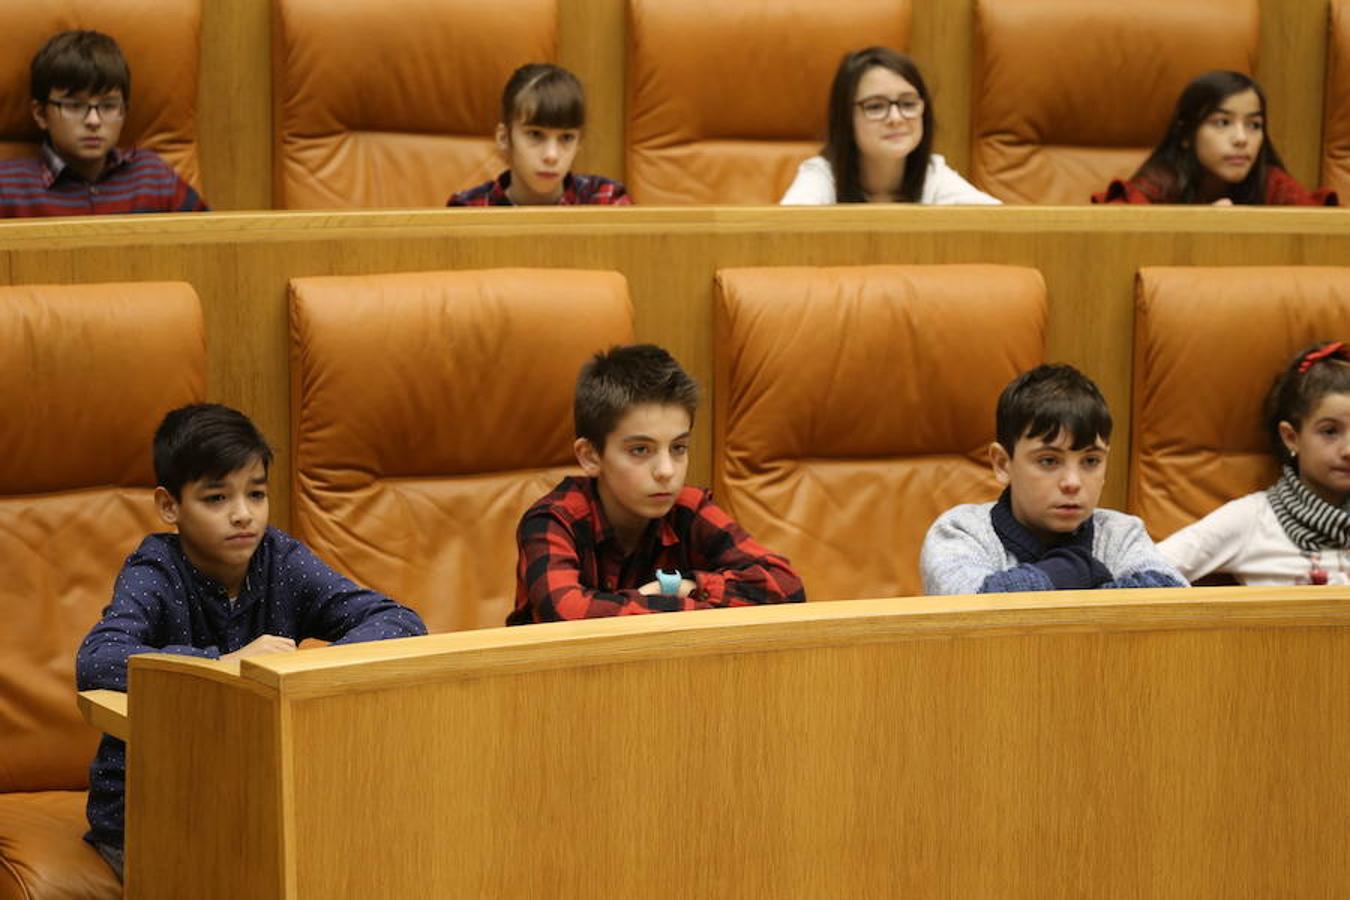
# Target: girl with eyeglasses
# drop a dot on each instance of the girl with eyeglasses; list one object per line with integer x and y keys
{"x": 879, "y": 143}
{"x": 1217, "y": 151}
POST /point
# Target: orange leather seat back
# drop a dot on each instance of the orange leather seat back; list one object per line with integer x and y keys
{"x": 160, "y": 41}
{"x": 855, "y": 405}
{"x": 1068, "y": 95}
{"x": 726, "y": 99}
{"x": 1336, "y": 130}
{"x": 1208, "y": 343}
{"x": 94, "y": 368}
{"x": 393, "y": 104}
{"x": 429, "y": 411}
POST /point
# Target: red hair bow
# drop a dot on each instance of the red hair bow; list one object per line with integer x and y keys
{"x": 1316, "y": 356}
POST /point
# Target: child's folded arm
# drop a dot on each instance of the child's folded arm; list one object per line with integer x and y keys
{"x": 1213, "y": 543}
{"x": 955, "y": 560}
{"x": 952, "y": 560}
{"x": 1072, "y": 568}
{"x": 129, "y": 626}
{"x": 733, "y": 569}
{"x": 1132, "y": 553}
{"x": 768, "y": 580}
{"x": 338, "y": 609}
{"x": 377, "y": 617}
{"x": 1147, "y": 578}
{"x": 186, "y": 199}
{"x": 550, "y": 569}
{"x": 1026, "y": 577}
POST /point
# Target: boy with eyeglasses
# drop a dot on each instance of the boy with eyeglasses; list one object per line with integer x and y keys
{"x": 80, "y": 86}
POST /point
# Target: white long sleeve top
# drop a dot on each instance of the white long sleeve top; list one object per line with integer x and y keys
{"x": 814, "y": 185}
{"x": 1243, "y": 538}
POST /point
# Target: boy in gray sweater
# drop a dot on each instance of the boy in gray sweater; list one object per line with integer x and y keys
{"x": 1045, "y": 532}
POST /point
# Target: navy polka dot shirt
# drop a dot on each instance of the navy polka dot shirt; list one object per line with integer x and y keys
{"x": 162, "y": 604}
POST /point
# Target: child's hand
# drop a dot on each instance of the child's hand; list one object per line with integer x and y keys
{"x": 267, "y": 643}
{"x": 653, "y": 588}
{"x": 1223, "y": 201}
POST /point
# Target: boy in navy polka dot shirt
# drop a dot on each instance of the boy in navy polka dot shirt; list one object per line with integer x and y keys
{"x": 225, "y": 586}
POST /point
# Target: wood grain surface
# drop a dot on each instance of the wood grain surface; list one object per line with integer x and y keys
{"x": 1150, "y": 744}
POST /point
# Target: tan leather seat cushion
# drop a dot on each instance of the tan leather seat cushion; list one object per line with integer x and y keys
{"x": 1336, "y": 131}
{"x": 726, "y": 99}
{"x": 431, "y": 409}
{"x": 1067, "y": 95}
{"x": 393, "y": 103}
{"x": 100, "y": 365}
{"x": 854, "y": 405}
{"x": 43, "y": 855}
{"x": 160, "y": 41}
{"x": 1208, "y": 343}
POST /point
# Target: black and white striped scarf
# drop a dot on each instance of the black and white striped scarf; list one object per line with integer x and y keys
{"x": 1311, "y": 522}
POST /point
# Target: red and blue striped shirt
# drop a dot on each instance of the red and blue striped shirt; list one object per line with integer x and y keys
{"x": 137, "y": 181}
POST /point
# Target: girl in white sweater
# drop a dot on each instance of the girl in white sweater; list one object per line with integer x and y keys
{"x": 1298, "y": 530}
{"x": 880, "y": 140}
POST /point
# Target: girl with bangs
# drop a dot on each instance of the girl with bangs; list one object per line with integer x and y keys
{"x": 543, "y": 111}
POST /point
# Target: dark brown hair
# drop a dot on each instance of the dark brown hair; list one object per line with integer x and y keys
{"x": 543, "y": 94}
{"x": 615, "y": 381}
{"x": 1042, "y": 401}
{"x": 1173, "y": 165}
{"x": 1294, "y": 394}
{"x": 79, "y": 61}
{"x": 205, "y": 440}
{"x": 841, "y": 143}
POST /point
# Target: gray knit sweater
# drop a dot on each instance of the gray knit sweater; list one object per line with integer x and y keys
{"x": 963, "y": 554}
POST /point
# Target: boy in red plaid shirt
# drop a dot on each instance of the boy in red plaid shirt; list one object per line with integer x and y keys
{"x": 630, "y": 537}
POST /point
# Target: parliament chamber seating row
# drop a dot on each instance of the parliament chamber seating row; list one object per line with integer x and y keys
{"x": 850, "y": 405}
{"x": 392, "y": 104}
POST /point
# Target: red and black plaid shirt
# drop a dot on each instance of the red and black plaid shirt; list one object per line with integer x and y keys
{"x": 571, "y": 565}
{"x": 1282, "y": 189}
{"x": 578, "y": 190}
{"x": 134, "y": 182}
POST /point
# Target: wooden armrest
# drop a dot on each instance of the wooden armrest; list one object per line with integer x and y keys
{"x": 106, "y": 711}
